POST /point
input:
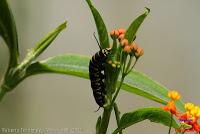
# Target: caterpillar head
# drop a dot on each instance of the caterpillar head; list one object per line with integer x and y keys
{"x": 106, "y": 51}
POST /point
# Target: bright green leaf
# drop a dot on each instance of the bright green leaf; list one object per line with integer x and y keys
{"x": 42, "y": 45}
{"x": 132, "y": 29}
{"x": 101, "y": 27}
{"x": 136, "y": 82}
{"x": 8, "y": 32}
{"x": 156, "y": 115}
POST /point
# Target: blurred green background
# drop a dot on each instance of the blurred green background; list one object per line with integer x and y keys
{"x": 169, "y": 36}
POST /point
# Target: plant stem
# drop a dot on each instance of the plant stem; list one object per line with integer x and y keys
{"x": 105, "y": 120}
{"x": 170, "y": 127}
{"x": 107, "y": 111}
{"x": 129, "y": 63}
{"x": 2, "y": 93}
{"x": 127, "y": 72}
{"x": 117, "y": 115}
{"x": 118, "y": 89}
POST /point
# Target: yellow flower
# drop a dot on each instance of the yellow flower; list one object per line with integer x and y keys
{"x": 189, "y": 106}
{"x": 195, "y": 112}
{"x": 174, "y": 95}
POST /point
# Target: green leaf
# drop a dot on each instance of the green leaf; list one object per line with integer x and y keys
{"x": 46, "y": 41}
{"x": 136, "y": 82}
{"x": 42, "y": 45}
{"x": 132, "y": 29}
{"x": 101, "y": 27}
{"x": 140, "y": 84}
{"x": 8, "y": 32}
{"x": 156, "y": 115}
{"x": 65, "y": 64}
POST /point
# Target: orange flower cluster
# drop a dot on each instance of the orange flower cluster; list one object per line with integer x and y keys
{"x": 131, "y": 48}
{"x": 188, "y": 118}
{"x": 118, "y": 34}
{"x": 127, "y": 48}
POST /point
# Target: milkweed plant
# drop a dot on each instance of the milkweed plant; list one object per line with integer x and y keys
{"x": 111, "y": 69}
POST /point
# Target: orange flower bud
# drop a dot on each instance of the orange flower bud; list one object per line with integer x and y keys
{"x": 121, "y": 31}
{"x": 134, "y": 46}
{"x": 139, "y": 52}
{"x": 121, "y": 37}
{"x": 185, "y": 117}
{"x": 124, "y": 42}
{"x": 114, "y": 33}
{"x": 171, "y": 107}
{"x": 127, "y": 49}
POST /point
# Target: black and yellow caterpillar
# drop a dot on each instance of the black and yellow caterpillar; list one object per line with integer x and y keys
{"x": 97, "y": 75}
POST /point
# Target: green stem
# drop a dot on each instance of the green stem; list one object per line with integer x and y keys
{"x": 170, "y": 127}
{"x": 117, "y": 115}
{"x": 2, "y": 93}
{"x": 127, "y": 72}
{"x": 105, "y": 120}
{"x": 118, "y": 89}
{"x": 129, "y": 63}
{"x": 107, "y": 111}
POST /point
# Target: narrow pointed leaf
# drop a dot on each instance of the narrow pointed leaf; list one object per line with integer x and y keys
{"x": 101, "y": 27}
{"x": 156, "y": 115}
{"x": 136, "y": 82}
{"x": 8, "y": 32}
{"x": 42, "y": 45}
{"x": 132, "y": 29}
{"x": 46, "y": 41}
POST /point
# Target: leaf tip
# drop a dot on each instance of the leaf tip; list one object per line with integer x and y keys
{"x": 63, "y": 25}
{"x": 147, "y": 10}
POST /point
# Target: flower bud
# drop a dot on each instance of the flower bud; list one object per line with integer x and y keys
{"x": 134, "y": 46}
{"x": 110, "y": 62}
{"x": 121, "y": 31}
{"x": 114, "y": 65}
{"x": 124, "y": 42}
{"x": 127, "y": 49}
{"x": 121, "y": 37}
{"x": 112, "y": 33}
{"x": 174, "y": 95}
{"x": 139, "y": 52}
